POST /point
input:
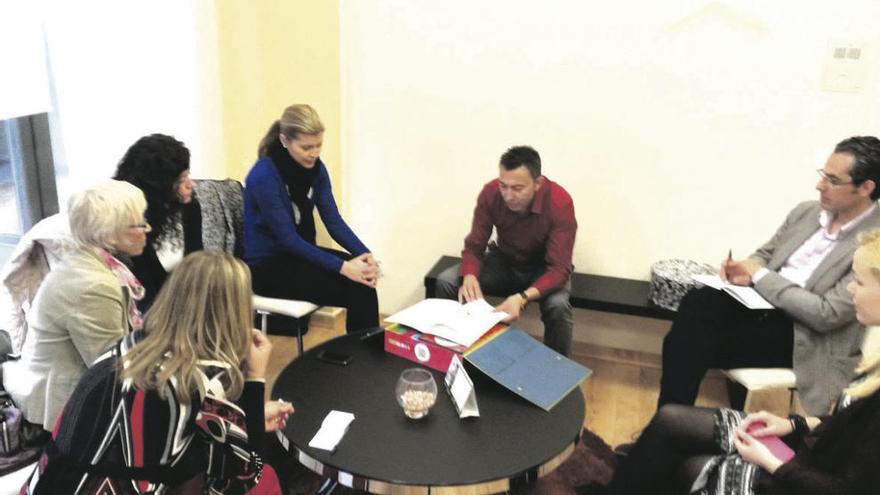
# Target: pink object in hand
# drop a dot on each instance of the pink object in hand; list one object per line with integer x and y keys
{"x": 777, "y": 447}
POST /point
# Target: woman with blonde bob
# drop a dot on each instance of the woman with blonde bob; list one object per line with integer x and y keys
{"x": 85, "y": 304}
{"x": 282, "y": 190}
{"x": 175, "y": 405}
{"x": 693, "y": 450}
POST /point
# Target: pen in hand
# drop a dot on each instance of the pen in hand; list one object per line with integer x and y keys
{"x": 726, "y": 264}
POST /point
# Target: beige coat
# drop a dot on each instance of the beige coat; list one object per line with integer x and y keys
{"x": 79, "y": 311}
{"x": 37, "y": 252}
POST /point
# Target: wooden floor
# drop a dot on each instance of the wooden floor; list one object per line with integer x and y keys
{"x": 621, "y": 395}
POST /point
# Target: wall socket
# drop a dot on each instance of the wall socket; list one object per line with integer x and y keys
{"x": 846, "y": 66}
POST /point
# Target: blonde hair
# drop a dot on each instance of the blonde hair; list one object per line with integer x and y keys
{"x": 203, "y": 312}
{"x": 869, "y": 251}
{"x": 99, "y": 215}
{"x": 296, "y": 119}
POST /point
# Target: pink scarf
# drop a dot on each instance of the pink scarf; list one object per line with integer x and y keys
{"x": 130, "y": 282}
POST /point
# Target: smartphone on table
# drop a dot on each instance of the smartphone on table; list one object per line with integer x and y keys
{"x": 335, "y": 357}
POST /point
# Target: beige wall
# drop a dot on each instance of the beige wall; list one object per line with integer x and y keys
{"x": 682, "y": 128}
{"x": 273, "y": 53}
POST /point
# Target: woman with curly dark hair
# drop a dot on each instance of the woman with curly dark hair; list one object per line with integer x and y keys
{"x": 159, "y": 166}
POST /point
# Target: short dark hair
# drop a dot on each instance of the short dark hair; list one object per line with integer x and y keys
{"x": 865, "y": 151}
{"x": 522, "y": 156}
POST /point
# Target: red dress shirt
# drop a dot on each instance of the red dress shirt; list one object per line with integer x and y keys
{"x": 542, "y": 235}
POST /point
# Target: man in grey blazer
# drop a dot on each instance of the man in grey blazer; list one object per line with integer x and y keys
{"x": 803, "y": 272}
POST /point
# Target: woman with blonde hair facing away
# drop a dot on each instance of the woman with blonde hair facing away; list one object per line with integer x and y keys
{"x": 283, "y": 188}
{"x": 722, "y": 452}
{"x": 177, "y": 404}
{"x": 85, "y": 304}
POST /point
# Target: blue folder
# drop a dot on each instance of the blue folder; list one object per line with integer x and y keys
{"x": 527, "y": 367}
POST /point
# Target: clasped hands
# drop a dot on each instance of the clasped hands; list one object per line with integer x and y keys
{"x": 739, "y": 272}
{"x": 363, "y": 269}
{"x": 470, "y": 291}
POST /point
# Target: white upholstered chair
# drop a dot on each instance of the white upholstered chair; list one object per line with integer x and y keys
{"x": 760, "y": 379}
{"x": 298, "y": 310}
{"x": 222, "y": 229}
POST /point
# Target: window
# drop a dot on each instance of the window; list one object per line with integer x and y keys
{"x": 10, "y": 223}
{"x": 27, "y": 177}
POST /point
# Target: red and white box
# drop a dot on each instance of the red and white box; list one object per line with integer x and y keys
{"x": 420, "y": 347}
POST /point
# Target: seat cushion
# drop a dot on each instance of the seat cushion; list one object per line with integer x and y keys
{"x": 286, "y": 307}
{"x": 763, "y": 378}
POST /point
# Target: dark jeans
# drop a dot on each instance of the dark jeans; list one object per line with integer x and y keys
{"x": 669, "y": 454}
{"x": 713, "y": 330}
{"x": 289, "y": 277}
{"x": 500, "y": 278}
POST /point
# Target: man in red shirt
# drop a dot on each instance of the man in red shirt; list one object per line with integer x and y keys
{"x": 531, "y": 258}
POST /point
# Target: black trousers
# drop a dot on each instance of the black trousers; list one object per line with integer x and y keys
{"x": 669, "y": 454}
{"x": 713, "y": 330}
{"x": 290, "y": 277}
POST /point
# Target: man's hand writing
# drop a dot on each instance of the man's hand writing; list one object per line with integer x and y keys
{"x": 739, "y": 272}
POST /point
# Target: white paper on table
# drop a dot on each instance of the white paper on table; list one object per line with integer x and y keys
{"x": 332, "y": 430}
{"x": 747, "y": 296}
{"x": 451, "y": 320}
{"x": 461, "y": 389}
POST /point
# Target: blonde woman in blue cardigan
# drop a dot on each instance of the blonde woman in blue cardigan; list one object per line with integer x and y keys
{"x": 282, "y": 190}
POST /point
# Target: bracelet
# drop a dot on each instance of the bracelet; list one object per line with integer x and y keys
{"x": 525, "y": 300}
{"x": 798, "y": 424}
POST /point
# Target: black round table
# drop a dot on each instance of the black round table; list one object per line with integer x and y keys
{"x": 513, "y": 442}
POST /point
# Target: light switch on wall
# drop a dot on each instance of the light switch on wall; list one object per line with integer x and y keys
{"x": 845, "y": 66}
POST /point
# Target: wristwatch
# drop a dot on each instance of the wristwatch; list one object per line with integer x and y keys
{"x": 525, "y": 300}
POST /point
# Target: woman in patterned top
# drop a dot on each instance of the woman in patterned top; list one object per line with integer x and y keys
{"x": 693, "y": 450}
{"x": 175, "y": 405}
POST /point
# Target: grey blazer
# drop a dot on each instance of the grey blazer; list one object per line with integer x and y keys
{"x": 80, "y": 310}
{"x": 827, "y": 336}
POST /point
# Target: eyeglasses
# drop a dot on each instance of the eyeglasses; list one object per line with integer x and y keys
{"x": 834, "y": 181}
{"x": 142, "y": 226}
